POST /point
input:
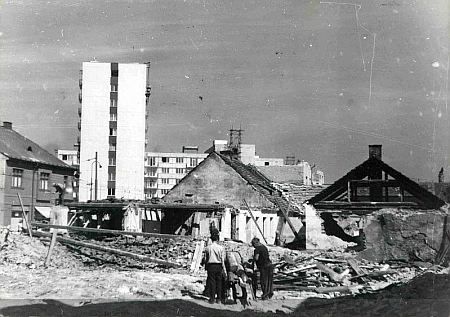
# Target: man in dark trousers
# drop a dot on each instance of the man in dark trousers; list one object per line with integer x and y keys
{"x": 265, "y": 267}
{"x": 214, "y": 260}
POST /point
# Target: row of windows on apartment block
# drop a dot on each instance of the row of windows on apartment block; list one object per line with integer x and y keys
{"x": 17, "y": 178}
{"x": 152, "y": 161}
{"x": 112, "y": 192}
{"x": 153, "y": 183}
{"x": 155, "y": 193}
{"x": 164, "y": 170}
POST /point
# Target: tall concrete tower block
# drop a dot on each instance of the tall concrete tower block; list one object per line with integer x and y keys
{"x": 113, "y": 126}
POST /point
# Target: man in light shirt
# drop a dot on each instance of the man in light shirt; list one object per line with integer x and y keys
{"x": 214, "y": 260}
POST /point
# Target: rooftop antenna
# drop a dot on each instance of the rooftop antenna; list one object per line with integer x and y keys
{"x": 235, "y": 140}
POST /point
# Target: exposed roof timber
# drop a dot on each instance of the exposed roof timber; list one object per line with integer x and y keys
{"x": 365, "y": 205}
{"x": 361, "y": 171}
{"x": 340, "y": 186}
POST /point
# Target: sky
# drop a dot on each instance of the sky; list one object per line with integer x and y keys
{"x": 318, "y": 80}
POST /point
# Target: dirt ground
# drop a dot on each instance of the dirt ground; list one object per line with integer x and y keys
{"x": 69, "y": 287}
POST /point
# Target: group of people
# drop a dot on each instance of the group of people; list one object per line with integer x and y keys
{"x": 214, "y": 261}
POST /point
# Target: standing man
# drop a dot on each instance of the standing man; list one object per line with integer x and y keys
{"x": 214, "y": 260}
{"x": 265, "y": 267}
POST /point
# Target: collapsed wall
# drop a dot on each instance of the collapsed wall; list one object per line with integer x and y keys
{"x": 316, "y": 238}
{"x": 386, "y": 234}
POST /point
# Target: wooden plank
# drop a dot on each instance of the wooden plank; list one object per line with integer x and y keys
{"x": 197, "y": 258}
{"x": 107, "y": 249}
{"x": 194, "y": 257}
{"x": 303, "y": 268}
{"x": 355, "y": 267}
{"x": 332, "y": 289}
{"x": 330, "y": 260}
{"x": 257, "y": 226}
{"x": 25, "y": 217}
{"x": 117, "y": 232}
{"x": 332, "y": 274}
{"x": 286, "y": 217}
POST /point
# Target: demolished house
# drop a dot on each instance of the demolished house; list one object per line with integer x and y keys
{"x": 254, "y": 206}
{"x": 381, "y": 213}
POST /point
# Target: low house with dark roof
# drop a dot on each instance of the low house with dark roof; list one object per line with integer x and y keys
{"x": 380, "y": 212}
{"x": 28, "y": 170}
{"x": 254, "y": 206}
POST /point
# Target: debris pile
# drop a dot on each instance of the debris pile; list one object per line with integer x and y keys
{"x": 22, "y": 250}
{"x": 178, "y": 251}
{"x": 331, "y": 275}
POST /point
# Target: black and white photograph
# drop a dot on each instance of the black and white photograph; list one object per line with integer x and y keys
{"x": 198, "y": 158}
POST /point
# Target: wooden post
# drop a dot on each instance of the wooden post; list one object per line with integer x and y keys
{"x": 257, "y": 226}
{"x": 286, "y": 216}
{"x": 25, "y": 217}
{"x": 349, "y": 192}
{"x": 50, "y": 249}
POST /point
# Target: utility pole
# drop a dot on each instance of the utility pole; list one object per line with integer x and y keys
{"x": 96, "y": 181}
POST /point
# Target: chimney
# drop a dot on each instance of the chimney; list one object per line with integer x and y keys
{"x": 7, "y": 125}
{"x": 375, "y": 172}
{"x": 375, "y": 151}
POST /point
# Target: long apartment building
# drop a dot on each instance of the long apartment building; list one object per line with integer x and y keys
{"x": 164, "y": 170}
{"x": 113, "y": 114}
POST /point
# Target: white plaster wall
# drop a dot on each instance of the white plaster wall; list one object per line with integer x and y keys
{"x": 315, "y": 238}
{"x": 225, "y": 233}
{"x": 247, "y": 231}
{"x": 130, "y": 131}
{"x": 94, "y": 127}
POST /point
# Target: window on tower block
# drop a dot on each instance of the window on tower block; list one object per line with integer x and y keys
{"x": 17, "y": 178}
{"x": 152, "y": 161}
{"x": 113, "y": 88}
{"x": 43, "y": 181}
{"x": 113, "y": 103}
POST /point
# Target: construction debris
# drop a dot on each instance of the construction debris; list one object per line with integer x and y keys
{"x": 339, "y": 273}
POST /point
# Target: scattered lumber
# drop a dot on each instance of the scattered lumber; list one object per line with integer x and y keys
{"x": 107, "y": 249}
{"x": 333, "y": 274}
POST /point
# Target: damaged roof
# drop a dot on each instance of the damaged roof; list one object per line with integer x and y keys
{"x": 15, "y": 146}
{"x": 260, "y": 182}
{"x": 335, "y": 192}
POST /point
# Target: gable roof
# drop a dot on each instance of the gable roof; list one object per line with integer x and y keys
{"x": 15, "y": 146}
{"x": 335, "y": 191}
